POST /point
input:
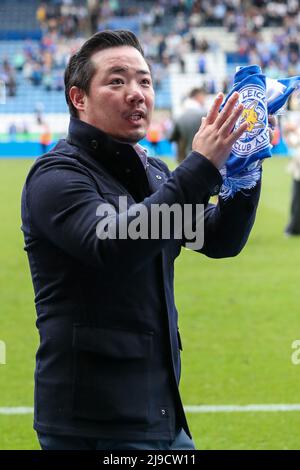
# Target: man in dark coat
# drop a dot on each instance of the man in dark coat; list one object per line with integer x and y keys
{"x": 108, "y": 364}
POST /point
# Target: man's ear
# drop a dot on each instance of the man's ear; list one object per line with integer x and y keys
{"x": 77, "y": 96}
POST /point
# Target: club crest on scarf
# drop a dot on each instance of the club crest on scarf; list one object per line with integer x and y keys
{"x": 242, "y": 169}
{"x": 260, "y": 96}
{"x": 255, "y": 114}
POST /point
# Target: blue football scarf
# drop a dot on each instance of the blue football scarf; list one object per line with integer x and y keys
{"x": 260, "y": 96}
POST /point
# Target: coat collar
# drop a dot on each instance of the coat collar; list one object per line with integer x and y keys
{"x": 99, "y": 144}
{"x": 120, "y": 159}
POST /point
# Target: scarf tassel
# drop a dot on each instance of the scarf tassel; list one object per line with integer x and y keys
{"x": 232, "y": 184}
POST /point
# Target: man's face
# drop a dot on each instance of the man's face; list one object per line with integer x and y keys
{"x": 121, "y": 96}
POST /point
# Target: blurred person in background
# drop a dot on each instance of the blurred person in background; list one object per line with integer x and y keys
{"x": 45, "y": 137}
{"x": 108, "y": 364}
{"x": 12, "y": 131}
{"x": 292, "y": 135}
{"x": 188, "y": 122}
{"x": 154, "y": 136}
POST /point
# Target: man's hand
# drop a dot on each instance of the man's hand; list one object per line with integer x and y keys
{"x": 215, "y": 138}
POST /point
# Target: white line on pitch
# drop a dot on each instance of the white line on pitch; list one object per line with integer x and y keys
{"x": 189, "y": 409}
{"x": 240, "y": 408}
{"x": 21, "y": 410}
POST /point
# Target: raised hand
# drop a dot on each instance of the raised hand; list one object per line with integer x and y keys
{"x": 216, "y": 137}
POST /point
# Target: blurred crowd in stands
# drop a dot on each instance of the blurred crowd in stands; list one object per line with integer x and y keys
{"x": 167, "y": 30}
{"x": 280, "y": 55}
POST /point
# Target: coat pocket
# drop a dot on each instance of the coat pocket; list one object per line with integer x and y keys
{"x": 111, "y": 374}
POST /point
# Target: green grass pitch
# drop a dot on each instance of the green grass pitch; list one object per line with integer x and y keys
{"x": 238, "y": 319}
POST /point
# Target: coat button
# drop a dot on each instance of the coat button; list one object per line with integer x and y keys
{"x": 158, "y": 177}
{"x": 94, "y": 144}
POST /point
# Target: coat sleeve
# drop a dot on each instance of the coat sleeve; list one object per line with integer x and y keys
{"x": 61, "y": 202}
{"x": 227, "y": 225}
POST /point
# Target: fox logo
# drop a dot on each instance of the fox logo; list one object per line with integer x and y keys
{"x": 250, "y": 116}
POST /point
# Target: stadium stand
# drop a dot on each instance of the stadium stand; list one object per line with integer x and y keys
{"x": 20, "y": 19}
{"x": 190, "y": 43}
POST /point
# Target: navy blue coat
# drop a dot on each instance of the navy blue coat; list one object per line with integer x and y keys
{"x": 108, "y": 364}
